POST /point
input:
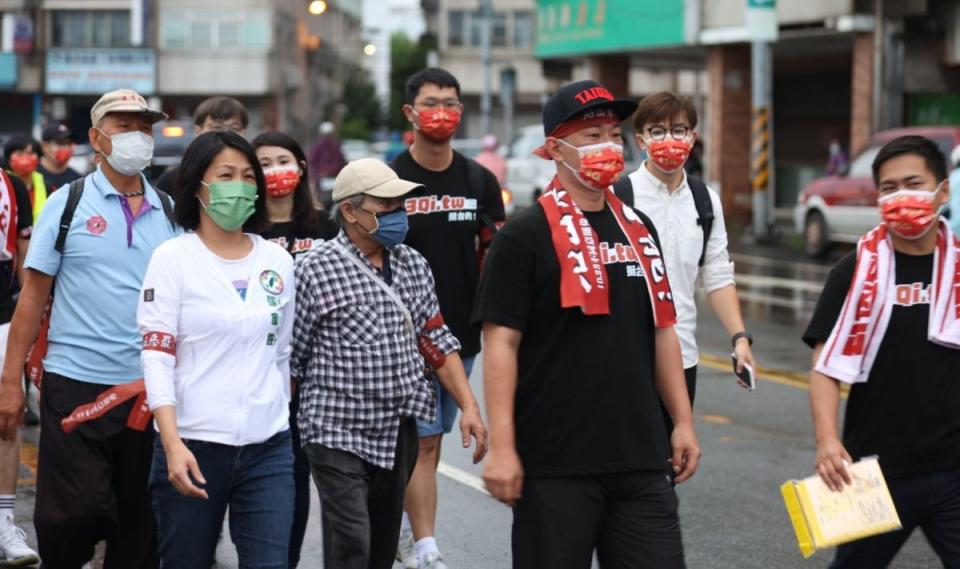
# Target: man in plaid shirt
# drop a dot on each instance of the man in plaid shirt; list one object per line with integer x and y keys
{"x": 368, "y": 325}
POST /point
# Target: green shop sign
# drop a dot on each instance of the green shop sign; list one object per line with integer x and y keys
{"x": 582, "y": 27}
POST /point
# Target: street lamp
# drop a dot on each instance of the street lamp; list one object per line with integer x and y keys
{"x": 369, "y": 49}
{"x": 317, "y": 7}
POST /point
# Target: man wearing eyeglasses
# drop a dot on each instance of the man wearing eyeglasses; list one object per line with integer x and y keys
{"x": 689, "y": 217}
{"x": 452, "y": 220}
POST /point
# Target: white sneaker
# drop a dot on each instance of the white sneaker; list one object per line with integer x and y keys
{"x": 432, "y": 560}
{"x": 13, "y": 546}
{"x": 406, "y": 550}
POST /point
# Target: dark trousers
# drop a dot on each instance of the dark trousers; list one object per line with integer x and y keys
{"x": 690, "y": 375}
{"x": 255, "y": 481}
{"x": 301, "y": 483}
{"x": 92, "y": 483}
{"x": 930, "y": 502}
{"x": 630, "y": 519}
{"x": 361, "y": 504}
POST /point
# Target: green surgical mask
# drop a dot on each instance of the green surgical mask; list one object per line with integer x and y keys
{"x": 231, "y": 203}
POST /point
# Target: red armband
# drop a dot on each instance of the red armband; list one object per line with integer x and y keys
{"x": 160, "y": 342}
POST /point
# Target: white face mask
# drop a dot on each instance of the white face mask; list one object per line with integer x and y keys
{"x": 132, "y": 152}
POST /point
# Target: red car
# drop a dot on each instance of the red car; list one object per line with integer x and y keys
{"x": 840, "y": 209}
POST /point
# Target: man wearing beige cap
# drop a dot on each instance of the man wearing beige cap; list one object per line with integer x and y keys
{"x": 368, "y": 325}
{"x": 94, "y": 237}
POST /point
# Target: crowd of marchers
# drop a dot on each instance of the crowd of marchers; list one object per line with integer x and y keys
{"x": 204, "y": 346}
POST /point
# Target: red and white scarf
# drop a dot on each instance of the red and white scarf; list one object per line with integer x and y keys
{"x": 853, "y": 344}
{"x": 583, "y": 278}
{"x": 8, "y": 219}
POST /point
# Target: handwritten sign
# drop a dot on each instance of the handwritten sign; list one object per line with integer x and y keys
{"x": 823, "y": 518}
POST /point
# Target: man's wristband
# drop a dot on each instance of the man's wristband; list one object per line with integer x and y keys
{"x": 739, "y": 335}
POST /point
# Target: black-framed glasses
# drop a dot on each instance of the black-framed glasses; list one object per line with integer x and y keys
{"x": 675, "y": 132}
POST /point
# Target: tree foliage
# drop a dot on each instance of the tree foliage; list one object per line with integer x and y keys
{"x": 363, "y": 113}
{"x": 406, "y": 58}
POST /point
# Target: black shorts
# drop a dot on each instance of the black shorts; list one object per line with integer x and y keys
{"x": 92, "y": 483}
{"x": 630, "y": 519}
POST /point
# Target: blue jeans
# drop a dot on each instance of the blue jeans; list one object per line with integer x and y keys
{"x": 255, "y": 481}
{"x": 928, "y": 501}
{"x": 446, "y": 407}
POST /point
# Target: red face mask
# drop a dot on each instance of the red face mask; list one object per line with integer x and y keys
{"x": 282, "y": 180}
{"x": 63, "y": 154}
{"x": 438, "y": 125}
{"x": 909, "y": 213}
{"x": 24, "y": 164}
{"x": 668, "y": 154}
{"x": 600, "y": 164}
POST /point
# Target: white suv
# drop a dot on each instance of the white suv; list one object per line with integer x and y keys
{"x": 528, "y": 175}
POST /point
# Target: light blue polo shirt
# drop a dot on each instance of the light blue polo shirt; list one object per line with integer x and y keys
{"x": 93, "y": 329}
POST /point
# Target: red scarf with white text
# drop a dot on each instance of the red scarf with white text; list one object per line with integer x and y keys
{"x": 583, "y": 278}
{"x": 852, "y": 346}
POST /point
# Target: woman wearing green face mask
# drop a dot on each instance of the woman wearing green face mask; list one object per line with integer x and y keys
{"x": 216, "y": 313}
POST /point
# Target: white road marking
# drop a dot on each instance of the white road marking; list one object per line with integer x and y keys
{"x": 772, "y": 262}
{"x": 763, "y": 281}
{"x": 462, "y": 476}
{"x": 769, "y": 300}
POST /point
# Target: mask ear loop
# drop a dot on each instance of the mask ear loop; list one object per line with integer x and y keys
{"x": 110, "y": 138}
{"x": 375, "y": 220}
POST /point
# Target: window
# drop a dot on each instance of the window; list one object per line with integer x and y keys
{"x": 202, "y": 30}
{"x": 522, "y": 29}
{"x": 476, "y": 29}
{"x": 200, "y": 34}
{"x": 456, "y": 28}
{"x": 229, "y": 34}
{"x": 90, "y": 28}
{"x": 509, "y": 29}
{"x": 499, "y": 38}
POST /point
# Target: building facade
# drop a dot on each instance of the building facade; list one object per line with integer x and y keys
{"x": 841, "y": 69}
{"x": 286, "y": 64}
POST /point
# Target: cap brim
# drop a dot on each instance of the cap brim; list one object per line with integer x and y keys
{"x": 150, "y": 114}
{"x": 393, "y": 189}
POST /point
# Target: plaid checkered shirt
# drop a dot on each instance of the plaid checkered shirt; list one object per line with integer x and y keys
{"x": 359, "y": 367}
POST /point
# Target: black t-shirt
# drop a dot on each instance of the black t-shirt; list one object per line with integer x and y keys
{"x": 296, "y": 244}
{"x": 586, "y": 402}
{"x": 24, "y": 227}
{"x": 908, "y": 411}
{"x": 445, "y": 219}
{"x": 56, "y": 181}
{"x": 168, "y": 180}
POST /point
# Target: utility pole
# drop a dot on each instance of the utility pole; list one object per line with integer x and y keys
{"x": 762, "y": 29}
{"x": 508, "y": 88}
{"x": 486, "y": 46}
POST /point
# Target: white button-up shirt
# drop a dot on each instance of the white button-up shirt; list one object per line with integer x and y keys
{"x": 674, "y": 214}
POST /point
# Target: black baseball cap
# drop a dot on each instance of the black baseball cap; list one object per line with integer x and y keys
{"x": 56, "y": 132}
{"x": 575, "y": 98}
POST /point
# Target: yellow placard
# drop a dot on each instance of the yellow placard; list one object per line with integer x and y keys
{"x": 823, "y": 518}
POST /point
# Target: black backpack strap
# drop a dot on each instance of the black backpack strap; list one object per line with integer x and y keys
{"x": 475, "y": 175}
{"x": 75, "y": 192}
{"x": 704, "y": 205}
{"x": 623, "y": 189}
{"x": 166, "y": 202}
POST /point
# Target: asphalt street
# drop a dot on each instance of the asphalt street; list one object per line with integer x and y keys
{"x": 731, "y": 512}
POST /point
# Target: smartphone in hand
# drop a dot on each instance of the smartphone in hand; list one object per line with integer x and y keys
{"x": 747, "y": 377}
